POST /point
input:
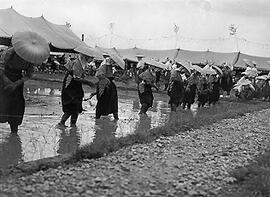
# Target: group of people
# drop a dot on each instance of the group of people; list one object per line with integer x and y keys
{"x": 17, "y": 69}
{"x": 251, "y": 85}
{"x": 184, "y": 86}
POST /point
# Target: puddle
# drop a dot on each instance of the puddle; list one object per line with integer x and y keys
{"x": 39, "y": 138}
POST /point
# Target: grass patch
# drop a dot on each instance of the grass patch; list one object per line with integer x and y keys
{"x": 252, "y": 180}
{"x": 179, "y": 122}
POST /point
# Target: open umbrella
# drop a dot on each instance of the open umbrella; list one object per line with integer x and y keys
{"x": 154, "y": 63}
{"x": 208, "y": 70}
{"x": 118, "y": 60}
{"x": 89, "y": 51}
{"x": 197, "y": 68}
{"x": 31, "y": 47}
{"x": 187, "y": 66}
{"x": 262, "y": 77}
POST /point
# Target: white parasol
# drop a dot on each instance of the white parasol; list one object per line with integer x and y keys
{"x": 31, "y": 47}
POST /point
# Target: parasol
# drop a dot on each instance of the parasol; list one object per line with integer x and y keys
{"x": 118, "y": 60}
{"x": 217, "y": 69}
{"x": 31, "y": 47}
{"x": 154, "y": 63}
{"x": 208, "y": 70}
{"x": 247, "y": 62}
{"x": 89, "y": 51}
{"x": 243, "y": 82}
{"x": 262, "y": 77}
{"x": 197, "y": 68}
{"x": 187, "y": 66}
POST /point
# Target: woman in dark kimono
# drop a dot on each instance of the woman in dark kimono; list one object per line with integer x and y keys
{"x": 105, "y": 93}
{"x": 214, "y": 91}
{"x": 111, "y": 101}
{"x": 226, "y": 80}
{"x": 203, "y": 92}
{"x": 176, "y": 89}
{"x": 145, "y": 91}
{"x": 12, "y": 104}
{"x": 190, "y": 90}
{"x": 72, "y": 90}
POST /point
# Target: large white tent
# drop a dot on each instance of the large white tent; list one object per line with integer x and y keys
{"x": 196, "y": 57}
{"x": 60, "y": 37}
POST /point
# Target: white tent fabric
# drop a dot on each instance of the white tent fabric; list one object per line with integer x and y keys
{"x": 262, "y": 62}
{"x": 202, "y": 57}
{"x": 59, "y": 36}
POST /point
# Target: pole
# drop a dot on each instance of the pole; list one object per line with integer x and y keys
{"x": 83, "y": 37}
{"x": 236, "y": 41}
{"x": 111, "y": 30}
{"x": 176, "y": 40}
{"x": 176, "y": 29}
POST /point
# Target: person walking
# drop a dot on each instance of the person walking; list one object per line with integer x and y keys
{"x": 112, "y": 101}
{"x": 28, "y": 49}
{"x": 145, "y": 91}
{"x": 72, "y": 90}
{"x": 104, "y": 91}
{"x": 175, "y": 89}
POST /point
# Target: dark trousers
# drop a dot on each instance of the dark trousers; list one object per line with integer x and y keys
{"x": 173, "y": 107}
{"x": 73, "y": 118}
{"x": 144, "y": 108}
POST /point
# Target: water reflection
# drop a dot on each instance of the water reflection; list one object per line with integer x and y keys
{"x": 69, "y": 140}
{"x": 40, "y": 138}
{"x": 105, "y": 133}
{"x": 43, "y": 91}
{"x": 143, "y": 124}
{"x": 136, "y": 105}
{"x": 10, "y": 150}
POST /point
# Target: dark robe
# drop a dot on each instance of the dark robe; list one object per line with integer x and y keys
{"x": 214, "y": 92}
{"x": 203, "y": 93}
{"x": 12, "y": 104}
{"x": 145, "y": 94}
{"x": 107, "y": 98}
{"x": 226, "y": 81}
{"x": 175, "y": 92}
{"x": 72, "y": 95}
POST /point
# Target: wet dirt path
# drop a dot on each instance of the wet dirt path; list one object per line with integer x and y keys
{"x": 39, "y": 138}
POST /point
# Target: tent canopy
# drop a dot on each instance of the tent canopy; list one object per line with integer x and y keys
{"x": 185, "y": 56}
{"x": 59, "y": 36}
{"x": 260, "y": 61}
{"x": 202, "y": 57}
{"x": 131, "y": 53}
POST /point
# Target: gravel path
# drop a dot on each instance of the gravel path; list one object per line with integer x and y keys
{"x": 194, "y": 163}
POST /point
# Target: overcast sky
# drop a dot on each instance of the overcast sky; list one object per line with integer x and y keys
{"x": 155, "y": 19}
